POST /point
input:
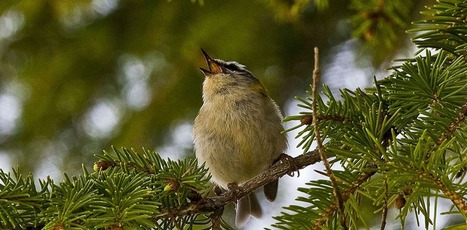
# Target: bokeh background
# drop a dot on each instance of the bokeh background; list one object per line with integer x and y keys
{"x": 77, "y": 77}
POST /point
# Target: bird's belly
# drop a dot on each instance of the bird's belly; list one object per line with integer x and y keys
{"x": 237, "y": 141}
{"x": 233, "y": 161}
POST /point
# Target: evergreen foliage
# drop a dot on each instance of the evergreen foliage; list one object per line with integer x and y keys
{"x": 409, "y": 131}
{"x": 402, "y": 143}
{"x": 445, "y": 28}
{"x": 128, "y": 191}
{"x": 20, "y": 202}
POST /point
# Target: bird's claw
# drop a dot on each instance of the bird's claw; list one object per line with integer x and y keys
{"x": 293, "y": 166}
{"x": 234, "y": 189}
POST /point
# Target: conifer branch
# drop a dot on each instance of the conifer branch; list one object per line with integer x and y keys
{"x": 214, "y": 204}
{"x": 453, "y": 126}
{"x": 459, "y": 201}
{"x": 308, "y": 119}
{"x": 326, "y": 214}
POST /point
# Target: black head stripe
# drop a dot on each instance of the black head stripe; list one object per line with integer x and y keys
{"x": 231, "y": 67}
{"x": 234, "y": 67}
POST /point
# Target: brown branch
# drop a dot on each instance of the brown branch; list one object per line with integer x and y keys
{"x": 216, "y": 219}
{"x": 213, "y": 204}
{"x": 385, "y": 205}
{"x": 321, "y": 149}
{"x": 308, "y": 119}
{"x": 460, "y": 203}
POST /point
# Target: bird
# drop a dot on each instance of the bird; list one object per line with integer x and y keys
{"x": 238, "y": 132}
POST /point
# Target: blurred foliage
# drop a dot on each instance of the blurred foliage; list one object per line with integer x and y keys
{"x": 400, "y": 143}
{"x": 79, "y": 76}
{"x": 381, "y": 23}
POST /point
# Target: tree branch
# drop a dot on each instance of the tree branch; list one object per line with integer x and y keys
{"x": 212, "y": 204}
{"x": 457, "y": 199}
{"x": 384, "y": 214}
{"x": 326, "y": 214}
{"x": 454, "y": 125}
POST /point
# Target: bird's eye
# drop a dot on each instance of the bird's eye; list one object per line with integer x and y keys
{"x": 233, "y": 67}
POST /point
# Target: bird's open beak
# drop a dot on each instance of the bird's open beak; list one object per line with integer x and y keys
{"x": 214, "y": 68}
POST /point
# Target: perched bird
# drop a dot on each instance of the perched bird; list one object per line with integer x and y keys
{"x": 238, "y": 131}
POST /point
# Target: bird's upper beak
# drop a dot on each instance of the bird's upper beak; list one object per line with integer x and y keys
{"x": 214, "y": 68}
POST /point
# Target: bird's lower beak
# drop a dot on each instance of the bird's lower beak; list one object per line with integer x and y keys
{"x": 214, "y": 68}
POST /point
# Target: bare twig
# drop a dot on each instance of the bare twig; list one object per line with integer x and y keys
{"x": 385, "y": 205}
{"x": 321, "y": 149}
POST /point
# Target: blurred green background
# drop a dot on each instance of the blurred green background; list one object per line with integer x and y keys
{"x": 79, "y": 76}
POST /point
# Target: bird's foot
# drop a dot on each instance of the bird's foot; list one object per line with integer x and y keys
{"x": 234, "y": 189}
{"x": 217, "y": 190}
{"x": 293, "y": 166}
